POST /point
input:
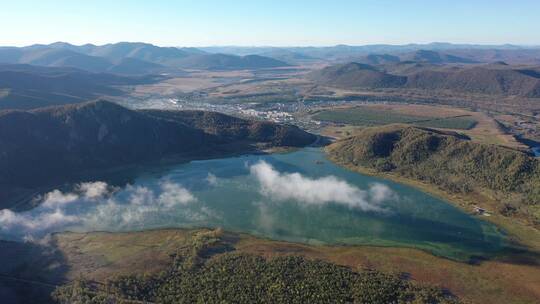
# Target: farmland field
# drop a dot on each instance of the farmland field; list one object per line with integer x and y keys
{"x": 367, "y": 116}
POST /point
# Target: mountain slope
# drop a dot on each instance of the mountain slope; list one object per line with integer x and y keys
{"x": 132, "y": 66}
{"x": 30, "y": 86}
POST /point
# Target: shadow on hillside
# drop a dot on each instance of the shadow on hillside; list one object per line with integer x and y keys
{"x": 29, "y": 272}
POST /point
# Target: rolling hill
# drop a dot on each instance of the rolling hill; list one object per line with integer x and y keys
{"x": 419, "y": 57}
{"x": 356, "y": 75}
{"x": 435, "y": 57}
{"x": 229, "y": 62}
{"x": 480, "y": 79}
{"x": 491, "y": 79}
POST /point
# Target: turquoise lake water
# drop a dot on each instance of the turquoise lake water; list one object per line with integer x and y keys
{"x": 292, "y": 200}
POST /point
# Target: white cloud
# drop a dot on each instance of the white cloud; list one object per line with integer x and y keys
{"x": 89, "y": 190}
{"x": 142, "y": 205}
{"x": 10, "y": 220}
{"x": 51, "y": 213}
{"x": 94, "y": 205}
{"x": 56, "y": 198}
{"x": 93, "y": 190}
{"x": 212, "y": 179}
{"x": 174, "y": 194}
{"x": 294, "y": 186}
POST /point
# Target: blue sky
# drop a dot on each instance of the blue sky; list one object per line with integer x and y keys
{"x": 265, "y": 22}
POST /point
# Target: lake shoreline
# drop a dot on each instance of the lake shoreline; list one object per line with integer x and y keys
{"x": 236, "y": 203}
{"x": 519, "y": 233}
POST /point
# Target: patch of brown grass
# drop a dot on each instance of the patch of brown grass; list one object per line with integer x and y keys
{"x": 100, "y": 255}
{"x": 490, "y": 282}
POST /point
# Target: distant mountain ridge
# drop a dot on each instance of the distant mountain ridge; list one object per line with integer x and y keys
{"x": 67, "y": 57}
{"x": 129, "y": 58}
{"x": 342, "y": 53}
{"x": 144, "y": 58}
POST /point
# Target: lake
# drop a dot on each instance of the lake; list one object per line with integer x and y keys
{"x": 298, "y": 196}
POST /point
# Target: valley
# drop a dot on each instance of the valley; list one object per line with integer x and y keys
{"x": 413, "y": 168}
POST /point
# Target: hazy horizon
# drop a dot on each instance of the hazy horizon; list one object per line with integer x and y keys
{"x": 284, "y": 46}
{"x": 266, "y": 23}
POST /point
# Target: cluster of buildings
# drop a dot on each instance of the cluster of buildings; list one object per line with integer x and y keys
{"x": 271, "y": 115}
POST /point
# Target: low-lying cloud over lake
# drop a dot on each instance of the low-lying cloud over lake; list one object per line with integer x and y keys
{"x": 98, "y": 205}
{"x": 51, "y": 213}
{"x": 329, "y": 189}
{"x": 167, "y": 203}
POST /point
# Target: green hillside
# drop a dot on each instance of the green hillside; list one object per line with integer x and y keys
{"x": 448, "y": 161}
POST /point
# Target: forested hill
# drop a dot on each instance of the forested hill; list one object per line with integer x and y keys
{"x": 449, "y": 161}
{"x": 493, "y": 79}
{"x": 54, "y": 143}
